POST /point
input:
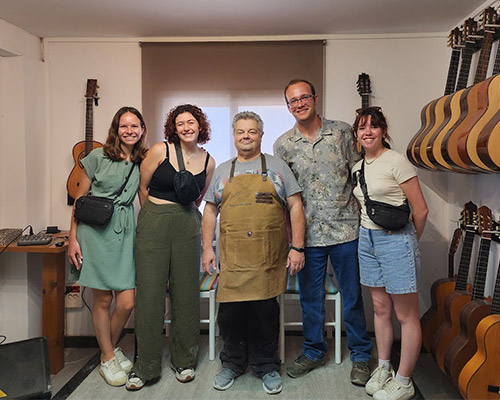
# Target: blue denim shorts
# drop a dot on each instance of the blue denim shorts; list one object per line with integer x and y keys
{"x": 390, "y": 259}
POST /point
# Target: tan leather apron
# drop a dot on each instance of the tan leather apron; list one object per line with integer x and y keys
{"x": 253, "y": 239}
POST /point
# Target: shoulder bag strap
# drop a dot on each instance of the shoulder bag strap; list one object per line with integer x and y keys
{"x": 125, "y": 183}
{"x": 362, "y": 182}
{"x": 180, "y": 159}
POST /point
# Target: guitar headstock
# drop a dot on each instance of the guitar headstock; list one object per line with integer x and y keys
{"x": 489, "y": 17}
{"x": 469, "y": 216}
{"x": 455, "y": 38}
{"x": 363, "y": 83}
{"x": 92, "y": 90}
{"x": 469, "y": 30}
{"x": 485, "y": 221}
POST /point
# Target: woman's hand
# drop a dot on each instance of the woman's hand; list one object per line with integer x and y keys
{"x": 75, "y": 253}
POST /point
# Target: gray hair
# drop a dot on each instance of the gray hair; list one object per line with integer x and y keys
{"x": 249, "y": 115}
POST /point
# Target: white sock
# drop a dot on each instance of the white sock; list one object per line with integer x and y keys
{"x": 405, "y": 380}
{"x": 385, "y": 363}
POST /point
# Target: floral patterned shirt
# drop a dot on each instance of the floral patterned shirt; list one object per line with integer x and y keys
{"x": 322, "y": 169}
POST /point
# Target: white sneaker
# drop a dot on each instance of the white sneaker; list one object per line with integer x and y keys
{"x": 184, "y": 375}
{"x": 378, "y": 378}
{"x": 134, "y": 382}
{"x": 125, "y": 363}
{"x": 395, "y": 390}
{"x": 112, "y": 373}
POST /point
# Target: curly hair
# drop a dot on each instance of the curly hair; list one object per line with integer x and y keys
{"x": 170, "y": 131}
{"x": 112, "y": 146}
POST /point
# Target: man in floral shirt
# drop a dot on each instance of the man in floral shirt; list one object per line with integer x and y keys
{"x": 321, "y": 153}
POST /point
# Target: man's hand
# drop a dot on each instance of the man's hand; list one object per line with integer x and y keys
{"x": 208, "y": 261}
{"x": 295, "y": 262}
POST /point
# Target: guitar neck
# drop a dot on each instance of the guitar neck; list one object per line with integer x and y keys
{"x": 496, "y": 66}
{"x": 484, "y": 57}
{"x": 481, "y": 269}
{"x": 365, "y": 100}
{"x": 463, "y": 76}
{"x": 457, "y": 234}
{"x": 495, "y": 306}
{"x": 89, "y": 126}
{"x": 463, "y": 269}
{"x": 452, "y": 72}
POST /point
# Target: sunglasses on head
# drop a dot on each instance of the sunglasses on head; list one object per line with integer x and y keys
{"x": 374, "y": 108}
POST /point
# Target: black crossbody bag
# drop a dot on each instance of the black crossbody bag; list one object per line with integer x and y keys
{"x": 185, "y": 185}
{"x": 94, "y": 210}
{"x": 387, "y": 216}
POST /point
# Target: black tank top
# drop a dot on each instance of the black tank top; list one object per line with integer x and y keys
{"x": 161, "y": 185}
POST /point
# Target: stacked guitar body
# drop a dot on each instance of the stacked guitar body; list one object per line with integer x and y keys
{"x": 461, "y": 329}
{"x": 460, "y": 131}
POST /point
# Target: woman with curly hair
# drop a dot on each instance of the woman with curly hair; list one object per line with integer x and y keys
{"x": 167, "y": 247}
{"x": 108, "y": 250}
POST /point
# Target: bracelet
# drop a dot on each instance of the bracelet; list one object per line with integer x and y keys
{"x": 299, "y": 249}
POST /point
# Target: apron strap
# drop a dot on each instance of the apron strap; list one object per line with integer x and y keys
{"x": 263, "y": 164}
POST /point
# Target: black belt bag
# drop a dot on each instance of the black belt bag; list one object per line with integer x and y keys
{"x": 387, "y": 216}
{"x": 93, "y": 210}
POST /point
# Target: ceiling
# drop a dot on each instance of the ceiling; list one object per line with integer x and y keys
{"x": 192, "y": 18}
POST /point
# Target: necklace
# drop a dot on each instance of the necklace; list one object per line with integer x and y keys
{"x": 368, "y": 162}
{"x": 187, "y": 159}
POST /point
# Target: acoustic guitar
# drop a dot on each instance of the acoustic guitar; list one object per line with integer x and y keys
{"x": 434, "y": 317}
{"x": 455, "y": 152}
{"x": 429, "y": 320}
{"x": 443, "y": 109}
{"x": 480, "y": 377}
{"x": 364, "y": 89}
{"x": 456, "y": 109}
{"x": 82, "y": 149}
{"x": 487, "y": 144}
{"x": 464, "y": 346}
{"x": 440, "y": 106}
{"x": 488, "y": 104}
{"x": 456, "y": 301}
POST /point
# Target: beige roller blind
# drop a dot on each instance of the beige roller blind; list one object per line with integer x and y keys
{"x": 234, "y": 71}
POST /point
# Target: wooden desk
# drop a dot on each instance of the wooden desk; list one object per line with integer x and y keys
{"x": 53, "y": 285}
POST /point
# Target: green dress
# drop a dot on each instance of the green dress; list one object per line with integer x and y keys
{"x": 108, "y": 252}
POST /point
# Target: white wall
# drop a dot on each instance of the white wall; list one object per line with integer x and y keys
{"x": 23, "y": 178}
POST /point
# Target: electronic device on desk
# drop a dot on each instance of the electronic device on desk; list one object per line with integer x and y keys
{"x": 34, "y": 240}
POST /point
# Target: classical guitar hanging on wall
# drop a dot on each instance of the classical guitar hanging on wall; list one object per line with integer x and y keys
{"x": 459, "y": 131}
{"x": 83, "y": 148}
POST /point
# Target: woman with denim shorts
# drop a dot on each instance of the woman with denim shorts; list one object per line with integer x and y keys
{"x": 389, "y": 261}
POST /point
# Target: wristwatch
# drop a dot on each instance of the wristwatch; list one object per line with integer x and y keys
{"x": 299, "y": 249}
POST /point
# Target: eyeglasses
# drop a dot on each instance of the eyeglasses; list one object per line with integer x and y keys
{"x": 373, "y": 108}
{"x": 303, "y": 100}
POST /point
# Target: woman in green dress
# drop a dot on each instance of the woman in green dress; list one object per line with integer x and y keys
{"x": 105, "y": 254}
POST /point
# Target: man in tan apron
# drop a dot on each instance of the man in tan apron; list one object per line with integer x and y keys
{"x": 252, "y": 193}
